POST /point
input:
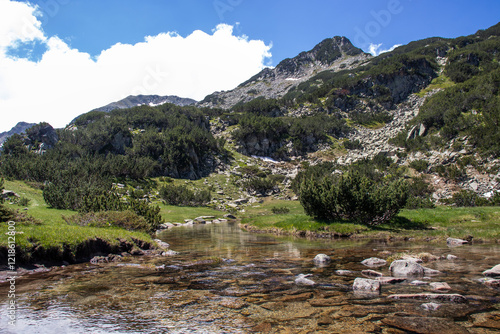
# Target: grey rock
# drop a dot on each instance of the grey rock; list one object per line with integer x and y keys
{"x": 439, "y": 286}
{"x": 162, "y": 244}
{"x": 374, "y": 262}
{"x": 456, "y": 242}
{"x": 406, "y": 268}
{"x": 344, "y": 272}
{"x": 322, "y": 260}
{"x": 303, "y": 280}
{"x": 365, "y": 284}
{"x": 431, "y": 306}
{"x": 455, "y": 298}
{"x": 371, "y": 273}
{"x": 493, "y": 272}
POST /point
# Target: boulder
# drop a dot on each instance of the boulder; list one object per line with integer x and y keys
{"x": 406, "y": 268}
{"x": 456, "y": 242}
{"x": 374, "y": 262}
{"x": 366, "y": 285}
{"x": 162, "y": 244}
{"x": 322, "y": 260}
{"x": 493, "y": 272}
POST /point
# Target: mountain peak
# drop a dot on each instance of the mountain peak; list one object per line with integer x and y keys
{"x": 151, "y": 100}
{"x": 332, "y": 53}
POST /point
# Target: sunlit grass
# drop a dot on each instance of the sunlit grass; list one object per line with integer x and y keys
{"x": 51, "y": 231}
{"x": 441, "y": 222}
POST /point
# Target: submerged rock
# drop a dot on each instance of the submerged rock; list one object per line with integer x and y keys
{"x": 440, "y": 286}
{"x": 371, "y": 273}
{"x": 427, "y": 325}
{"x": 456, "y": 242}
{"x": 456, "y": 298}
{"x": 303, "y": 280}
{"x": 341, "y": 272}
{"x": 493, "y": 272}
{"x": 365, "y": 284}
{"x": 431, "y": 306}
{"x": 374, "y": 262}
{"x": 322, "y": 260}
{"x": 162, "y": 244}
{"x": 406, "y": 268}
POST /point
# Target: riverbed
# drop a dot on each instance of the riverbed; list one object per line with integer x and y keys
{"x": 225, "y": 280}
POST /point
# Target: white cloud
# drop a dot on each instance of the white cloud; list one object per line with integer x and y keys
{"x": 375, "y": 50}
{"x": 66, "y": 82}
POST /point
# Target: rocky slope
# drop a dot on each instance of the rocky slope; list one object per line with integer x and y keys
{"x": 151, "y": 100}
{"x": 335, "y": 54}
{"x": 18, "y": 128}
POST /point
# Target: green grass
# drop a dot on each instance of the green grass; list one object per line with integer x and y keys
{"x": 179, "y": 213}
{"x": 441, "y": 81}
{"x": 52, "y": 232}
{"x": 483, "y": 223}
{"x": 261, "y": 217}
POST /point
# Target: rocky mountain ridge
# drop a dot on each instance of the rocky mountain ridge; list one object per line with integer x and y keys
{"x": 17, "y": 129}
{"x": 150, "y": 100}
{"x": 334, "y": 54}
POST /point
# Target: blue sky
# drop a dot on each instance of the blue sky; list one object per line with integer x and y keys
{"x": 60, "y": 58}
{"x": 291, "y": 26}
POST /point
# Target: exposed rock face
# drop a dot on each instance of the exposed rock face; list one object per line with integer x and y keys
{"x": 331, "y": 54}
{"x": 41, "y": 137}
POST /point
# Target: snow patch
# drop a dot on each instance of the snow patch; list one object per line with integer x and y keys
{"x": 266, "y": 159}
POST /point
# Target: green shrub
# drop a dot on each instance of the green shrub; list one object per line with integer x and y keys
{"x": 467, "y": 198}
{"x": 353, "y": 144}
{"x": 259, "y": 185}
{"x": 124, "y": 219}
{"x": 419, "y": 165}
{"x": 182, "y": 196}
{"x": 353, "y": 197}
{"x": 280, "y": 210}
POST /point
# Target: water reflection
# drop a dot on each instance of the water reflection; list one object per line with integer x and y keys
{"x": 252, "y": 289}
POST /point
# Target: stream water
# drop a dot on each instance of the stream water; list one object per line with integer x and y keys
{"x": 225, "y": 280}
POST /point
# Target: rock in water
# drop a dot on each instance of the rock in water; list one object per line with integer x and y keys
{"x": 456, "y": 242}
{"x": 374, "y": 262}
{"x": 493, "y": 272}
{"x": 406, "y": 268}
{"x": 322, "y": 260}
{"x": 427, "y": 325}
{"x": 366, "y": 285}
{"x": 303, "y": 280}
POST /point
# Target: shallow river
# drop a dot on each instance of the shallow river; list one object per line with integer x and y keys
{"x": 228, "y": 281}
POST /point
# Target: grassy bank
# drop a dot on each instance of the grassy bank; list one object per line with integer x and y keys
{"x": 49, "y": 238}
{"x": 483, "y": 223}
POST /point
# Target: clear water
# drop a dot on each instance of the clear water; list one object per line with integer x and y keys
{"x": 228, "y": 281}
